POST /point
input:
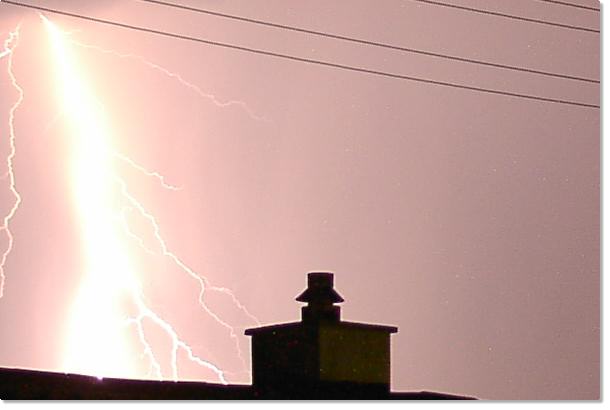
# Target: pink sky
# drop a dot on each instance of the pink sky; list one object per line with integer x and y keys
{"x": 468, "y": 220}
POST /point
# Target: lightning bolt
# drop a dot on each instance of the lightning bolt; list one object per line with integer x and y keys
{"x": 10, "y": 44}
{"x": 201, "y": 280}
{"x": 211, "y": 97}
{"x": 204, "y": 285}
{"x": 110, "y": 273}
{"x": 146, "y": 172}
{"x": 130, "y": 233}
{"x": 144, "y": 312}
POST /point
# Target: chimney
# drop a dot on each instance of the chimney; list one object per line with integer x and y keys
{"x": 321, "y": 356}
{"x": 320, "y": 298}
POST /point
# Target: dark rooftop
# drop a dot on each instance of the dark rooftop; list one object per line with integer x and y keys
{"x": 321, "y": 358}
{"x": 292, "y": 325}
{"x": 21, "y": 384}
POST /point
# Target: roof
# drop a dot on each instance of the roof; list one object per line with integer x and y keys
{"x": 295, "y": 325}
{"x": 270, "y": 328}
{"x": 383, "y": 328}
{"x": 22, "y": 384}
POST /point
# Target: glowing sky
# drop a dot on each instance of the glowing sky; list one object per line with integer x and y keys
{"x": 470, "y": 221}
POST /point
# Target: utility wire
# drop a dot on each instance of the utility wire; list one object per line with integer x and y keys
{"x": 367, "y": 42}
{"x": 510, "y": 16}
{"x": 564, "y": 3}
{"x": 299, "y": 59}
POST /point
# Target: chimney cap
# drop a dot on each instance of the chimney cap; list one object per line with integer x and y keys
{"x": 320, "y": 289}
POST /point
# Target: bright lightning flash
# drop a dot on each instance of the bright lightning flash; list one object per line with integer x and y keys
{"x": 9, "y": 47}
{"x": 97, "y": 341}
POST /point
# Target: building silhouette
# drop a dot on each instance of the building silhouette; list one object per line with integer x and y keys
{"x": 321, "y": 353}
{"x": 320, "y": 357}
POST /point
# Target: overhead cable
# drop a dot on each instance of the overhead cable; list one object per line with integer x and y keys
{"x": 369, "y": 43}
{"x": 301, "y": 59}
{"x": 509, "y": 16}
{"x": 565, "y": 3}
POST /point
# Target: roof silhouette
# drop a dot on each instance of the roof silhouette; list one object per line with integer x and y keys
{"x": 26, "y": 384}
{"x": 320, "y": 357}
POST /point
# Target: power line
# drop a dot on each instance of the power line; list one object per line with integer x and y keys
{"x": 367, "y": 42}
{"x": 510, "y": 16}
{"x": 564, "y": 3}
{"x": 299, "y": 59}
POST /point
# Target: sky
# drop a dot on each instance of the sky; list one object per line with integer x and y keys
{"x": 173, "y": 194}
